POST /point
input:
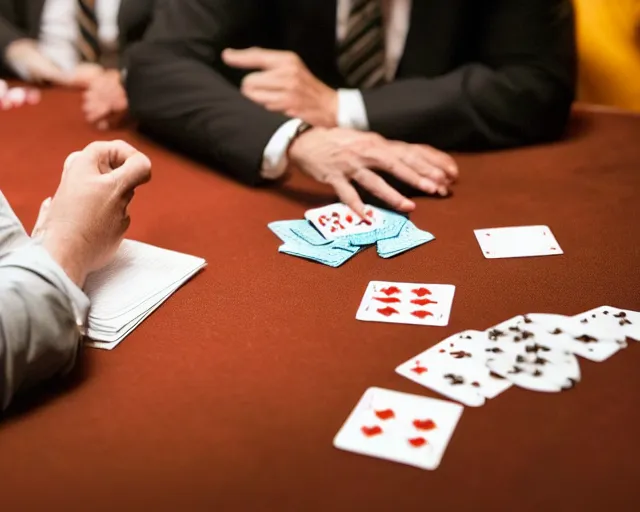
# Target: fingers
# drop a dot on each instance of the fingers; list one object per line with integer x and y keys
{"x": 122, "y": 161}
{"x": 69, "y": 161}
{"x": 381, "y": 189}
{"x": 440, "y": 160}
{"x": 135, "y": 171}
{"x": 271, "y": 100}
{"x": 257, "y": 58}
{"x": 349, "y": 196}
{"x": 391, "y": 162}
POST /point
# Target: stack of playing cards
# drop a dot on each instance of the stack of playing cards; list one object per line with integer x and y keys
{"x": 127, "y": 291}
{"x": 333, "y": 234}
{"x": 537, "y": 351}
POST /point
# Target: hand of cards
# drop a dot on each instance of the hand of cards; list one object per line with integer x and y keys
{"x": 333, "y": 234}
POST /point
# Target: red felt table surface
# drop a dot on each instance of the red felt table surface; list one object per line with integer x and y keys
{"x": 228, "y": 397}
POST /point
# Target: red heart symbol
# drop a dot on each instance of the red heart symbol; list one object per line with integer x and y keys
{"x": 424, "y": 424}
{"x": 417, "y": 442}
{"x": 371, "y": 431}
{"x": 386, "y": 414}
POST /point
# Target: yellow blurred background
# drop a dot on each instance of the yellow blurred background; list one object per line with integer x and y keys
{"x": 609, "y": 45}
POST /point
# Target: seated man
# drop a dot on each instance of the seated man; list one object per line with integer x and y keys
{"x": 455, "y": 74}
{"x": 42, "y": 307}
{"x": 73, "y": 42}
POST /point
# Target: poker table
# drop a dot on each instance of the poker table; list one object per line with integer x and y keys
{"x": 229, "y": 395}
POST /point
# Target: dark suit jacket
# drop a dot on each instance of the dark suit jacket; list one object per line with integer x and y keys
{"x": 475, "y": 74}
{"x": 21, "y": 18}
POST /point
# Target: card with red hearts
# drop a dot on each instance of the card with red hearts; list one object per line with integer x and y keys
{"x": 399, "y": 427}
{"x": 406, "y": 303}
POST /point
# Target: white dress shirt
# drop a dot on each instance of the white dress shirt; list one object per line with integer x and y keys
{"x": 41, "y": 311}
{"x": 352, "y": 112}
{"x": 59, "y": 30}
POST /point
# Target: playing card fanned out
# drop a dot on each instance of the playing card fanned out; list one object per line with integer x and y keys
{"x": 333, "y": 234}
{"x": 400, "y": 427}
{"x": 536, "y": 351}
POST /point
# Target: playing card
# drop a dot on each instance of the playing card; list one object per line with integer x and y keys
{"x": 456, "y": 368}
{"x": 517, "y": 242}
{"x": 527, "y": 357}
{"x": 390, "y": 226}
{"x": 408, "y": 238}
{"x": 325, "y": 254}
{"x": 406, "y": 303}
{"x": 568, "y": 333}
{"x": 399, "y": 427}
{"x": 616, "y": 322}
{"x": 336, "y": 220}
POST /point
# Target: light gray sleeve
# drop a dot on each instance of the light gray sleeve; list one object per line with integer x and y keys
{"x": 41, "y": 315}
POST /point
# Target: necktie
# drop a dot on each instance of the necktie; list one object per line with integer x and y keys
{"x": 88, "y": 42}
{"x": 362, "y": 54}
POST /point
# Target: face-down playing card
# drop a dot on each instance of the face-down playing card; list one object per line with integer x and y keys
{"x": 406, "y": 303}
{"x": 456, "y": 368}
{"x": 399, "y": 427}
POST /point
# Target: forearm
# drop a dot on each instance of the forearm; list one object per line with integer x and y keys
{"x": 473, "y": 107}
{"x": 189, "y": 105}
{"x": 40, "y": 309}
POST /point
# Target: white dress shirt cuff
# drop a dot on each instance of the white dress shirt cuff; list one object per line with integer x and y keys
{"x": 35, "y": 258}
{"x": 274, "y": 158}
{"x": 352, "y": 112}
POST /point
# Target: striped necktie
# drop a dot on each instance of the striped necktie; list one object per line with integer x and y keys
{"x": 88, "y": 42}
{"x": 361, "y": 56}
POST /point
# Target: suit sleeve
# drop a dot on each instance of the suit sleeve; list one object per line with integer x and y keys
{"x": 518, "y": 91}
{"x": 9, "y": 32}
{"x": 182, "y": 94}
{"x": 40, "y": 310}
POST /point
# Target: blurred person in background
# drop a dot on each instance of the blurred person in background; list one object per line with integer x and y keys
{"x": 77, "y": 43}
{"x": 342, "y": 89}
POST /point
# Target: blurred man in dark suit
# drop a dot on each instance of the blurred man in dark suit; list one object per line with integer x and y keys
{"x": 74, "y": 43}
{"x": 338, "y": 89}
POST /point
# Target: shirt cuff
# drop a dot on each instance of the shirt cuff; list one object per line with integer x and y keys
{"x": 352, "y": 112}
{"x": 274, "y": 158}
{"x": 36, "y": 259}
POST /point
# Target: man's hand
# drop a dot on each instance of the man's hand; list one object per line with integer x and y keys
{"x": 85, "y": 74}
{"x": 84, "y": 223}
{"x": 338, "y": 156}
{"x": 285, "y": 85}
{"x": 105, "y": 101}
{"x": 24, "y": 57}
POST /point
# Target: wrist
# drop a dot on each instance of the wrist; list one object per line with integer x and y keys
{"x": 67, "y": 253}
{"x": 331, "y": 105}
